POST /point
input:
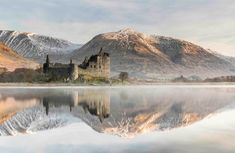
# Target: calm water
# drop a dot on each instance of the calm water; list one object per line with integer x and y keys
{"x": 164, "y": 119}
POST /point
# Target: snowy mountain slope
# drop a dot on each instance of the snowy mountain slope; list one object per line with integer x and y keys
{"x": 142, "y": 56}
{"x": 148, "y": 56}
{"x": 10, "y": 60}
{"x": 229, "y": 59}
{"x": 35, "y": 46}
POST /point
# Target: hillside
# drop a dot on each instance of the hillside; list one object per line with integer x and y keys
{"x": 151, "y": 57}
{"x": 36, "y": 46}
{"x": 11, "y": 60}
{"x": 229, "y": 59}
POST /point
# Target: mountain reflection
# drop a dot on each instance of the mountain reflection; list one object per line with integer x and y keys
{"x": 125, "y": 112}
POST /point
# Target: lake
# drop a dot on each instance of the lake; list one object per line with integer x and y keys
{"x": 163, "y": 119}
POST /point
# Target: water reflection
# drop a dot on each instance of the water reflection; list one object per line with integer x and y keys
{"x": 96, "y": 103}
{"x": 125, "y": 112}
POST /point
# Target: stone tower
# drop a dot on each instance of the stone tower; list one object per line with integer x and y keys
{"x": 73, "y": 70}
{"x": 103, "y": 61}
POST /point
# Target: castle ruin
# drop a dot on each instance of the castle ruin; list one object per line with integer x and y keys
{"x": 95, "y": 66}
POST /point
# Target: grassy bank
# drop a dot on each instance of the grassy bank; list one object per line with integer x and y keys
{"x": 108, "y": 85}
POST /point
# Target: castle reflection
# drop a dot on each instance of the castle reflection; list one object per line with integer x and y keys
{"x": 97, "y": 104}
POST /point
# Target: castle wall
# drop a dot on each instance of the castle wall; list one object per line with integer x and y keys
{"x": 59, "y": 72}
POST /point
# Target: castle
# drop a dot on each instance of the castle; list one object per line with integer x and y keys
{"x": 96, "y": 66}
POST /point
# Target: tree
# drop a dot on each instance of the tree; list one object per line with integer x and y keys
{"x": 123, "y": 76}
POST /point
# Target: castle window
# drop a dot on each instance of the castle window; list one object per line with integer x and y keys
{"x": 100, "y": 67}
{"x": 94, "y": 66}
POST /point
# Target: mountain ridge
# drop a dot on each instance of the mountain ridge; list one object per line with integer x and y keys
{"x": 141, "y": 55}
{"x": 36, "y": 46}
{"x": 151, "y": 56}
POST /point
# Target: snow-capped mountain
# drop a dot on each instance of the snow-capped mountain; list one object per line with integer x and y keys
{"x": 10, "y": 60}
{"x": 36, "y": 46}
{"x": 150, "y": 56}
{"x": 142, "y": 56}
{"x": 229, "y": 59}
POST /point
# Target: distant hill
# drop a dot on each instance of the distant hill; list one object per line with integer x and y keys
{"x": 35, "y": 46}
{"x": 10, "y": 60}
{"x": 151, "y": 57}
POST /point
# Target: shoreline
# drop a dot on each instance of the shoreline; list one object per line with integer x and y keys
{"x": 68, "y": 85}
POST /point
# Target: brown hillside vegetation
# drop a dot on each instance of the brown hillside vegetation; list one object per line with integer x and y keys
{"x": 10, "y": 60}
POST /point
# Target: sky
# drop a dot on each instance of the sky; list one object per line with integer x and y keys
{"x": 208, "y": 23}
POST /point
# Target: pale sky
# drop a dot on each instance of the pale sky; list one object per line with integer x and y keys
{"x": 208, "y": 23}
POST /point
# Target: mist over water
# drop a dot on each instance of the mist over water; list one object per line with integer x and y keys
{"x": 132, "y": 117}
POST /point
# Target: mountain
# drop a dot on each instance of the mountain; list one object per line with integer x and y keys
{"x": 142, "y": 56}
{"x": 229, "y": 59}
{"x": 151, "y": 57}
{"x": 10, "y": 60}
{"x": 34, "y": 46}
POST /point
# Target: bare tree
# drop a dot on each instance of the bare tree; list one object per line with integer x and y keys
{"x": 123, "y": 76}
